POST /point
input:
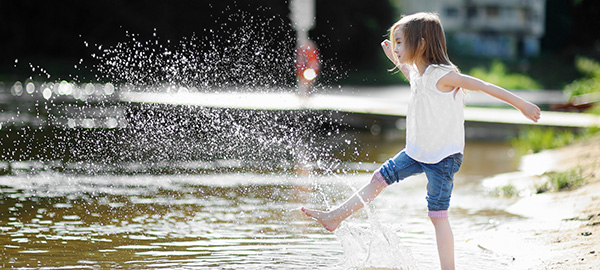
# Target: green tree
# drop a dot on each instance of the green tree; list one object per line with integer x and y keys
{"x": 498, "y": 75}
{"x": 590, "y": 82}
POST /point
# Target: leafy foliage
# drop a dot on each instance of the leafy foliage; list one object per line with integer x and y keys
{"x": 534, "y": 140}
{"x": 498, "y": 75}
{"x": 590, "y": 83}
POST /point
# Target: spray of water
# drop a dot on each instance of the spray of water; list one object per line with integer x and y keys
{"x": 85, "y": 127}
{"x": 248, "y": 55}
{"x": 373, "y": 246}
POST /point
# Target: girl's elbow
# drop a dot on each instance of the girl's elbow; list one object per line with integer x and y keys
{"x": 486, "y": 87}
{"x": 473, "y": 84}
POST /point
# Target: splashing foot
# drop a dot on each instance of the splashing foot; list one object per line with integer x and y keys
{"x": 326, "y": 219}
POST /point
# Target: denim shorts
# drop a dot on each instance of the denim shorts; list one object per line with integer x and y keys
{"x": 440, "y": 176}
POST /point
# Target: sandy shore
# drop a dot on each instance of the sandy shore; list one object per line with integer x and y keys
{"x": 579, "y": 247}
{"x": 562, "y": 229}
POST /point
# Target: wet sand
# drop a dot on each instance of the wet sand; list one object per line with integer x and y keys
{"x": 563, "y": 228}
{"x": 579, "y": 247}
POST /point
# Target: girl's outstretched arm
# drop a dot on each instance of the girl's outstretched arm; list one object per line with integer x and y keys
{"x": 453, "y": 80}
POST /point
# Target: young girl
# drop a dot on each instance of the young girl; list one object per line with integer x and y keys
{"x": 435, "y": 125}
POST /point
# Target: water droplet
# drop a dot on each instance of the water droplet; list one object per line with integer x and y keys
{"x": 47, "y": 93}
{"x": 109, "y": 89}
{"x": 17, "y": 89}
{"x": 30, "y": 88}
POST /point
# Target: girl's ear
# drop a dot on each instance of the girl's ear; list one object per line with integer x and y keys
{"x": 422, "y": 44}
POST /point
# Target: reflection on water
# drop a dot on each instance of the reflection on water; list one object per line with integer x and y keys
{"x": 232, "y": 220}
{"x": 125, "y": 221}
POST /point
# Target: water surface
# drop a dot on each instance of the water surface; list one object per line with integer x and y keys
{"x": 236, "y": 220}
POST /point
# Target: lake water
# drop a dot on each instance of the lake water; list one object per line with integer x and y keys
{"x": 244, "y": 220}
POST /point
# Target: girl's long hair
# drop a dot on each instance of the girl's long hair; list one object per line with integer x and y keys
{"x": 423, "y": 37}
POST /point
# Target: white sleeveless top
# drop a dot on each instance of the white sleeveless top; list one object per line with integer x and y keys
{"x": 435, "y": 119}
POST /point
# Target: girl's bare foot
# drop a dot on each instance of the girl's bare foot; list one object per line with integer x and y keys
{"x": 326, "y": 219}
{"x": 332, "y": 219}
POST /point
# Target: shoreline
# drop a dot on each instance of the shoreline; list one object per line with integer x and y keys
{"x": 562, "y": 229}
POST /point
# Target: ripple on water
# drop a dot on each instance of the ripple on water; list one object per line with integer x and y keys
{"x": 250, "y": 226}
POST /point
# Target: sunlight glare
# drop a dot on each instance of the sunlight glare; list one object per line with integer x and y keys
{"x": 309, "y": 74}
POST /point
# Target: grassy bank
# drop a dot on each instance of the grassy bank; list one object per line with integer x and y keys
{"x": 535, "y": 139}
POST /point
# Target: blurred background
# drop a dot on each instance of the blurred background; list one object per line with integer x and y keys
{"x": 112, "y": 82}
{"x": 539, "y": 38}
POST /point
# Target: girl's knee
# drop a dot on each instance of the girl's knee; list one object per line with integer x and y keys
{"x": 379, "y": 179}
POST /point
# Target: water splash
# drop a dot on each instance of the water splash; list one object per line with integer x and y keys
{"x": 247, "y": 53}
{"x": 374, "y": 245}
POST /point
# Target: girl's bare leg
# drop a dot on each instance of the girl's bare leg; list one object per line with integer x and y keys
{"x": 332, "y": 219}
{"x": 445, "y": 242}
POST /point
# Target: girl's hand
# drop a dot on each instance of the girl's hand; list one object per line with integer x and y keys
{"x": 386, "y": 45}
{"x": 387, "y": 49}
{"x": 530, "y": 111}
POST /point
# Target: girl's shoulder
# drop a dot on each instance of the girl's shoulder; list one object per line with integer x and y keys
{"x": 432, "y": 72}
{"x": 442, "y": 67}
{"x": 439, "y": 70}
{"x": 432, "y": 67}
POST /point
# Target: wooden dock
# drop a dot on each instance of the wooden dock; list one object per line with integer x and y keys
{"x": 388, "y": 101}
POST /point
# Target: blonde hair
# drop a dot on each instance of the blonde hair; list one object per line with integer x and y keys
{"x": 423, "y": 37}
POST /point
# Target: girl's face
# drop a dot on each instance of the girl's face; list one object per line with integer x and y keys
{"x": 399, "y": 44}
